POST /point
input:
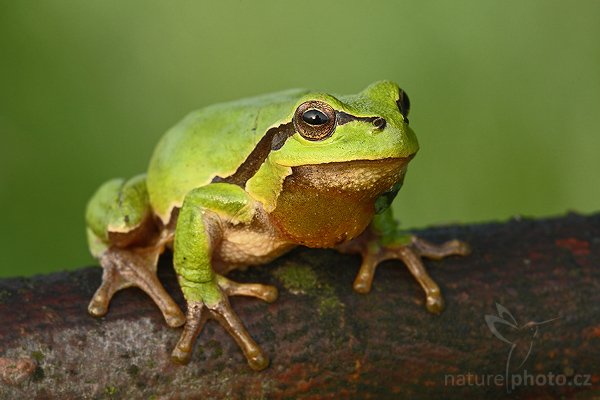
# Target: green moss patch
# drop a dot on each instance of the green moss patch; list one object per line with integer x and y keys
{"x": 302, "y": 279}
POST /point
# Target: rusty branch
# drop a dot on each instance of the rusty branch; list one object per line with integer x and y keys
{"x": 326, "y": 341}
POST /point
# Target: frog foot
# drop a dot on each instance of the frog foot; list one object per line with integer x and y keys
{"x": 123, "y": 268}
{"x": 410, "y": 254}
{"x": 198, "y": 312}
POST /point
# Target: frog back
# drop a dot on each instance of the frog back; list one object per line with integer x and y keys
{"x": 211, "y": 142}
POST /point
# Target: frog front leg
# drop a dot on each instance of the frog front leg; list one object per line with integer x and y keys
{"x": 383, "y": 241}
{"x": 201, "y": 225}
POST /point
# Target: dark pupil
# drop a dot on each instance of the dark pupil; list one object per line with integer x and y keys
{"x": 315, "y": 117}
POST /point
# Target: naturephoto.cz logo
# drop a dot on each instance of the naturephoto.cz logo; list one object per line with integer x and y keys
{"x": 520, "y": 340}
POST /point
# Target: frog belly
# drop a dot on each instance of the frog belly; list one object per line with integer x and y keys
{"x": 245, "y": 246}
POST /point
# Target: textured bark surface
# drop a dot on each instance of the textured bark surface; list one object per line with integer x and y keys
{"x": 324, "y": 340}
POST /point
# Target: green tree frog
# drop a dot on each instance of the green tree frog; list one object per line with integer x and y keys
{"x": 241, "y": 183}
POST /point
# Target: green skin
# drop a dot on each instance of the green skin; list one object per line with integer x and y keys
{"x": 241, "y": 183}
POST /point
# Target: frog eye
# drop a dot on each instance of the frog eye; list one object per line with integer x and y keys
{"x": 314, "y": 120}
{"x": 403, "y": 104}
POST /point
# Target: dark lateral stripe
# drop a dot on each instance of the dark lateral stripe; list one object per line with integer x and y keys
{"x": 273, "y": 140}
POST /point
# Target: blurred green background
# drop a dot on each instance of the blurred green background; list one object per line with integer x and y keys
{"x": 505, "y": 98}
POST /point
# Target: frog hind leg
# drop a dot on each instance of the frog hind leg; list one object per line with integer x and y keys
{"x": 200, "y": 225}
{"x": 382, "y": 241}
{"x": 122, "y": 236}
{"x": 123, "y": 268}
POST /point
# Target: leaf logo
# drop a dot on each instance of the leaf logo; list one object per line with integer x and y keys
{"x": 520, "y": 338}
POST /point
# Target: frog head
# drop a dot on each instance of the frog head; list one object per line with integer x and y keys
{"x": 370, "y": 125}
{"x": 342, "y": 160}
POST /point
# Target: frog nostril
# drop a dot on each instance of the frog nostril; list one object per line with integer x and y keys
{"x": 379, "y": 123}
